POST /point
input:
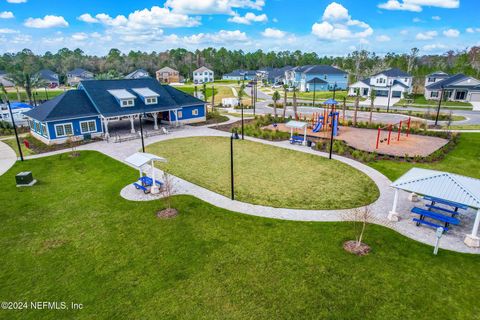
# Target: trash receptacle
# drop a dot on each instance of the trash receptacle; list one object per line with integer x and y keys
{"x": 309, "y": 143}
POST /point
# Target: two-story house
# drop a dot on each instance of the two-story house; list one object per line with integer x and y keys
{"x": 203, "y": 75}
{"x": 168, "y": 75}
{"x": 316, "y": 78}
{"x": 458, "y": 87}
{"x": 49, "y": 77}
{"x": 391, "y": 83}
{"x": 76, "y": 75}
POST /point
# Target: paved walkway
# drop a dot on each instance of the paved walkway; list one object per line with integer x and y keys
{"x": 7, "y": 157}
{"x": 120, "y": 151}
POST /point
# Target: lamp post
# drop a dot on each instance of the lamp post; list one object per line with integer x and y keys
{"x": 141, "y": 132}
{"x": 389, "y": 94}
{"x": 232, "y": 182}
{"x": 15, "y": 130}
{"x": 334, "y": 90}
{"x": 213, "y": 98}
{"x": 254, "y": 96}
{"x": 439, "y": 106}
{"x": 314, "y": 90}
{"x": 243, "y": 137}
{"x": 331, "y": 136}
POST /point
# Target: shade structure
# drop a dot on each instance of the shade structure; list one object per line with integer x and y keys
{"x": 293, "y": 124}
{"x": 140, "y": 159}
{"x": 330, "y": 102}
{"x": 443, "y": 185}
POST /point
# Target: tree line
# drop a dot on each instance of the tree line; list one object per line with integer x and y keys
{"x": 359, "y": 64}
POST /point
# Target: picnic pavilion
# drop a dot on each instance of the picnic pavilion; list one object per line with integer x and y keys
{"x": 447, "y": 192}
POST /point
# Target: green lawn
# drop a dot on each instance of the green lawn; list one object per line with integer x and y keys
{"x": 464, "y": 127}
{"x": 320, "y": 95}
{"x": 40, "y": 94}
{"x": 420, "y": 99}
{"x": 73, "y": 238}
{"x": 265, "y": 174}
{"x": 464, "y": 160}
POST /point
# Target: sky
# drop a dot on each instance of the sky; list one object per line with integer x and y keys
{"x": 326, "y": 27}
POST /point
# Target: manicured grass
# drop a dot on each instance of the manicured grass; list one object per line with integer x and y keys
{"x": 464, "y": 160}
{"x": 12, "y": 142}
{"x": 40, "y": 94}
{"x": 465, "y": 127}
{"x": 265, "y": 174}
{"x": 420, "y": 99}
{"x": 321, "y": 95}
{"x": 73, "y": 238}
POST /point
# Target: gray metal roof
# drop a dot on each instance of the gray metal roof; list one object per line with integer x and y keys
{"x": 443, "y": 185}
{"x": 446, "y": 83}
{"x": 394, "y": 72}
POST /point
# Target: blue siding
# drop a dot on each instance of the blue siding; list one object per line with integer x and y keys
{"x": 76, "y": 126}
{"x": 187, "y": 113}
{"x": 340, "y": 79}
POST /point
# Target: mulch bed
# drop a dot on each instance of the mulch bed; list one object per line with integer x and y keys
{"x": 228, "y": 127}
{"x": 167, "y": 213}
{"x": 361, "y": 250}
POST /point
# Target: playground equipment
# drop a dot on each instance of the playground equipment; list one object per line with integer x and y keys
{"x": 389, "y": 128}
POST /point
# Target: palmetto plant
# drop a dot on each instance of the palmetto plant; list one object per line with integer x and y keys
{"x": 357, "y": 102}
{"x": 295, "y": 102}
{"x": 373, "y": 95}
{"x": 26, "y": 81}
{"x": 275, "y": 98}
{"x": 285, "y": 88}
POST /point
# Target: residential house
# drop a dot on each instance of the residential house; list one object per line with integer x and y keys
{"x": 168, "y": 75}
{"x": 435, "y": 77}
{"x": 76, "y": 75}
{"x": 273, "y": 75}
{"x": 4, "y": 79}
{"x": 203, "y": 75}
{"x": 240, "y": 75}
{"x": 49, "y": 77}
{"x": 137, "y": 74}
{"x": 88, "y": 110}
{"x": 305, "y": 78}
{"x": 393, "y": 83}
{"x": 458, "y": 87}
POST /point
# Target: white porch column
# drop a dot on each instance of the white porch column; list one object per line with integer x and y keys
{"x": 176, "y": 117}
{"x": 155, "y": 120}
{"x": 291, "y": 133}
{"x": 472, "y": 240}
{"x": 105, "y": 125}
{"x": 393, "y": 215}
{"x": 132, "y": 130}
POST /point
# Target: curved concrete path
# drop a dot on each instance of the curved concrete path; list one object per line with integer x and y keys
{"x": 8, "y": 157}
{"x": 451, "y": 241}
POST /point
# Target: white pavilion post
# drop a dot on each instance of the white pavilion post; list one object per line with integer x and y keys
{"x": 154, "y": 188}
{"x": 132, "y": 130}
{"x": 291, "y": 132}
{"x": 472, "y": 240}
{"x": 155, "y": 120}
{"x": 393, "y": 215}
{"x": 304, "y": 136}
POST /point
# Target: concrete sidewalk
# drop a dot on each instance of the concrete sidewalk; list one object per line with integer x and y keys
{"x": 7, "y": 157}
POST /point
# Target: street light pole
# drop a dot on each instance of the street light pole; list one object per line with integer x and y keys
{"x": 15, "y": 130}
{"x": 439, "y": 106}
{"x": 242, "y": 122}
{"x": 389, "y": 94}
{"x": 331, "y": 136}
{"x": 334, "y": 90}
{"x": 314, "y": 90}
{"x": 234, "y": 135}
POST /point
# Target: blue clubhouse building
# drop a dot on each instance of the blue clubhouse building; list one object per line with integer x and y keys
{"x": 88, "y": 110}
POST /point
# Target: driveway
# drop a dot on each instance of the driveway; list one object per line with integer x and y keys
{"x": 476, "y": 105}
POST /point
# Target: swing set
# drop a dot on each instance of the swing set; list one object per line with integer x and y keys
{"x": 389, "y": 128}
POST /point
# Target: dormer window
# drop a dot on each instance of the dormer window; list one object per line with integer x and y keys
{"x": 152, "y": 100}
{"x": 148, "y": 96}
{"x": 127, "y": 103}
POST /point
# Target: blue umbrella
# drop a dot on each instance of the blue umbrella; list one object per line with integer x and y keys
{"x": 330, "y": 102}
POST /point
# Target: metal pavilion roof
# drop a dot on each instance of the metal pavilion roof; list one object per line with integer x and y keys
{"x": 443, "y": 185}
{"x": 296, "y": 124}
{"x": 140, "y": 159}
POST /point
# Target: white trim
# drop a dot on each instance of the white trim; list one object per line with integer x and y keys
{"x": 63, "y": 124}
{"x": 87, "y": 121}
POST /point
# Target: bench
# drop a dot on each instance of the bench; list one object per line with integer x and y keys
{"x": 430, "y": 224}
{"x": 446, "y": 202}
{"x": 296, "y": 139}
{"x": 436, "y": 216}
{"x": 452, "y": 212}
{"x": 147, "y": 181}
{"x": 139, "y": 186}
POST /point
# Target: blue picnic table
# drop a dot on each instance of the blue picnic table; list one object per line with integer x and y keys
{"x": 435, "y": 212}
{"x": 145, "y": 182}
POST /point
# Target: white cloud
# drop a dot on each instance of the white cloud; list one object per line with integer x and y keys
{"x": 437, "y": 18}
{"x": 451, "y": 33}
{"x": 212, "y": 6}
{"x": 220, "y": 37}
{"x": 404, "y": 32}
{"x": 273, "y": 33}
{"x": 7, "y": 31}
{"x": 416, "y": 20}
{"x": 16, "y": 1}
{"x": 48, "y": 21}
{"x": 383, "y": 38}
{"x": 248, "y": 18}
{"x": 6, "y": 15}
{"x": 417, "y": 5}
{"x": 79, "y": 36}
{"x": 87, "y": 17}
{"x": 470, "y": 30}
{"x": 434, "y": 47}
{"x": 427, "y": 35}
{"x": 338, "y": 24}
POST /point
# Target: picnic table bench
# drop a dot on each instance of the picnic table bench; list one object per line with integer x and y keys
{"x": 296, "y": 139}
{"x": 147, "y": 181}
{"x": 446, "y": 202}
{"x": 433, "y": 215}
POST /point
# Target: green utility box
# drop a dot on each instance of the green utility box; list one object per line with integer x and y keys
{"x": 24, "y": 178}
